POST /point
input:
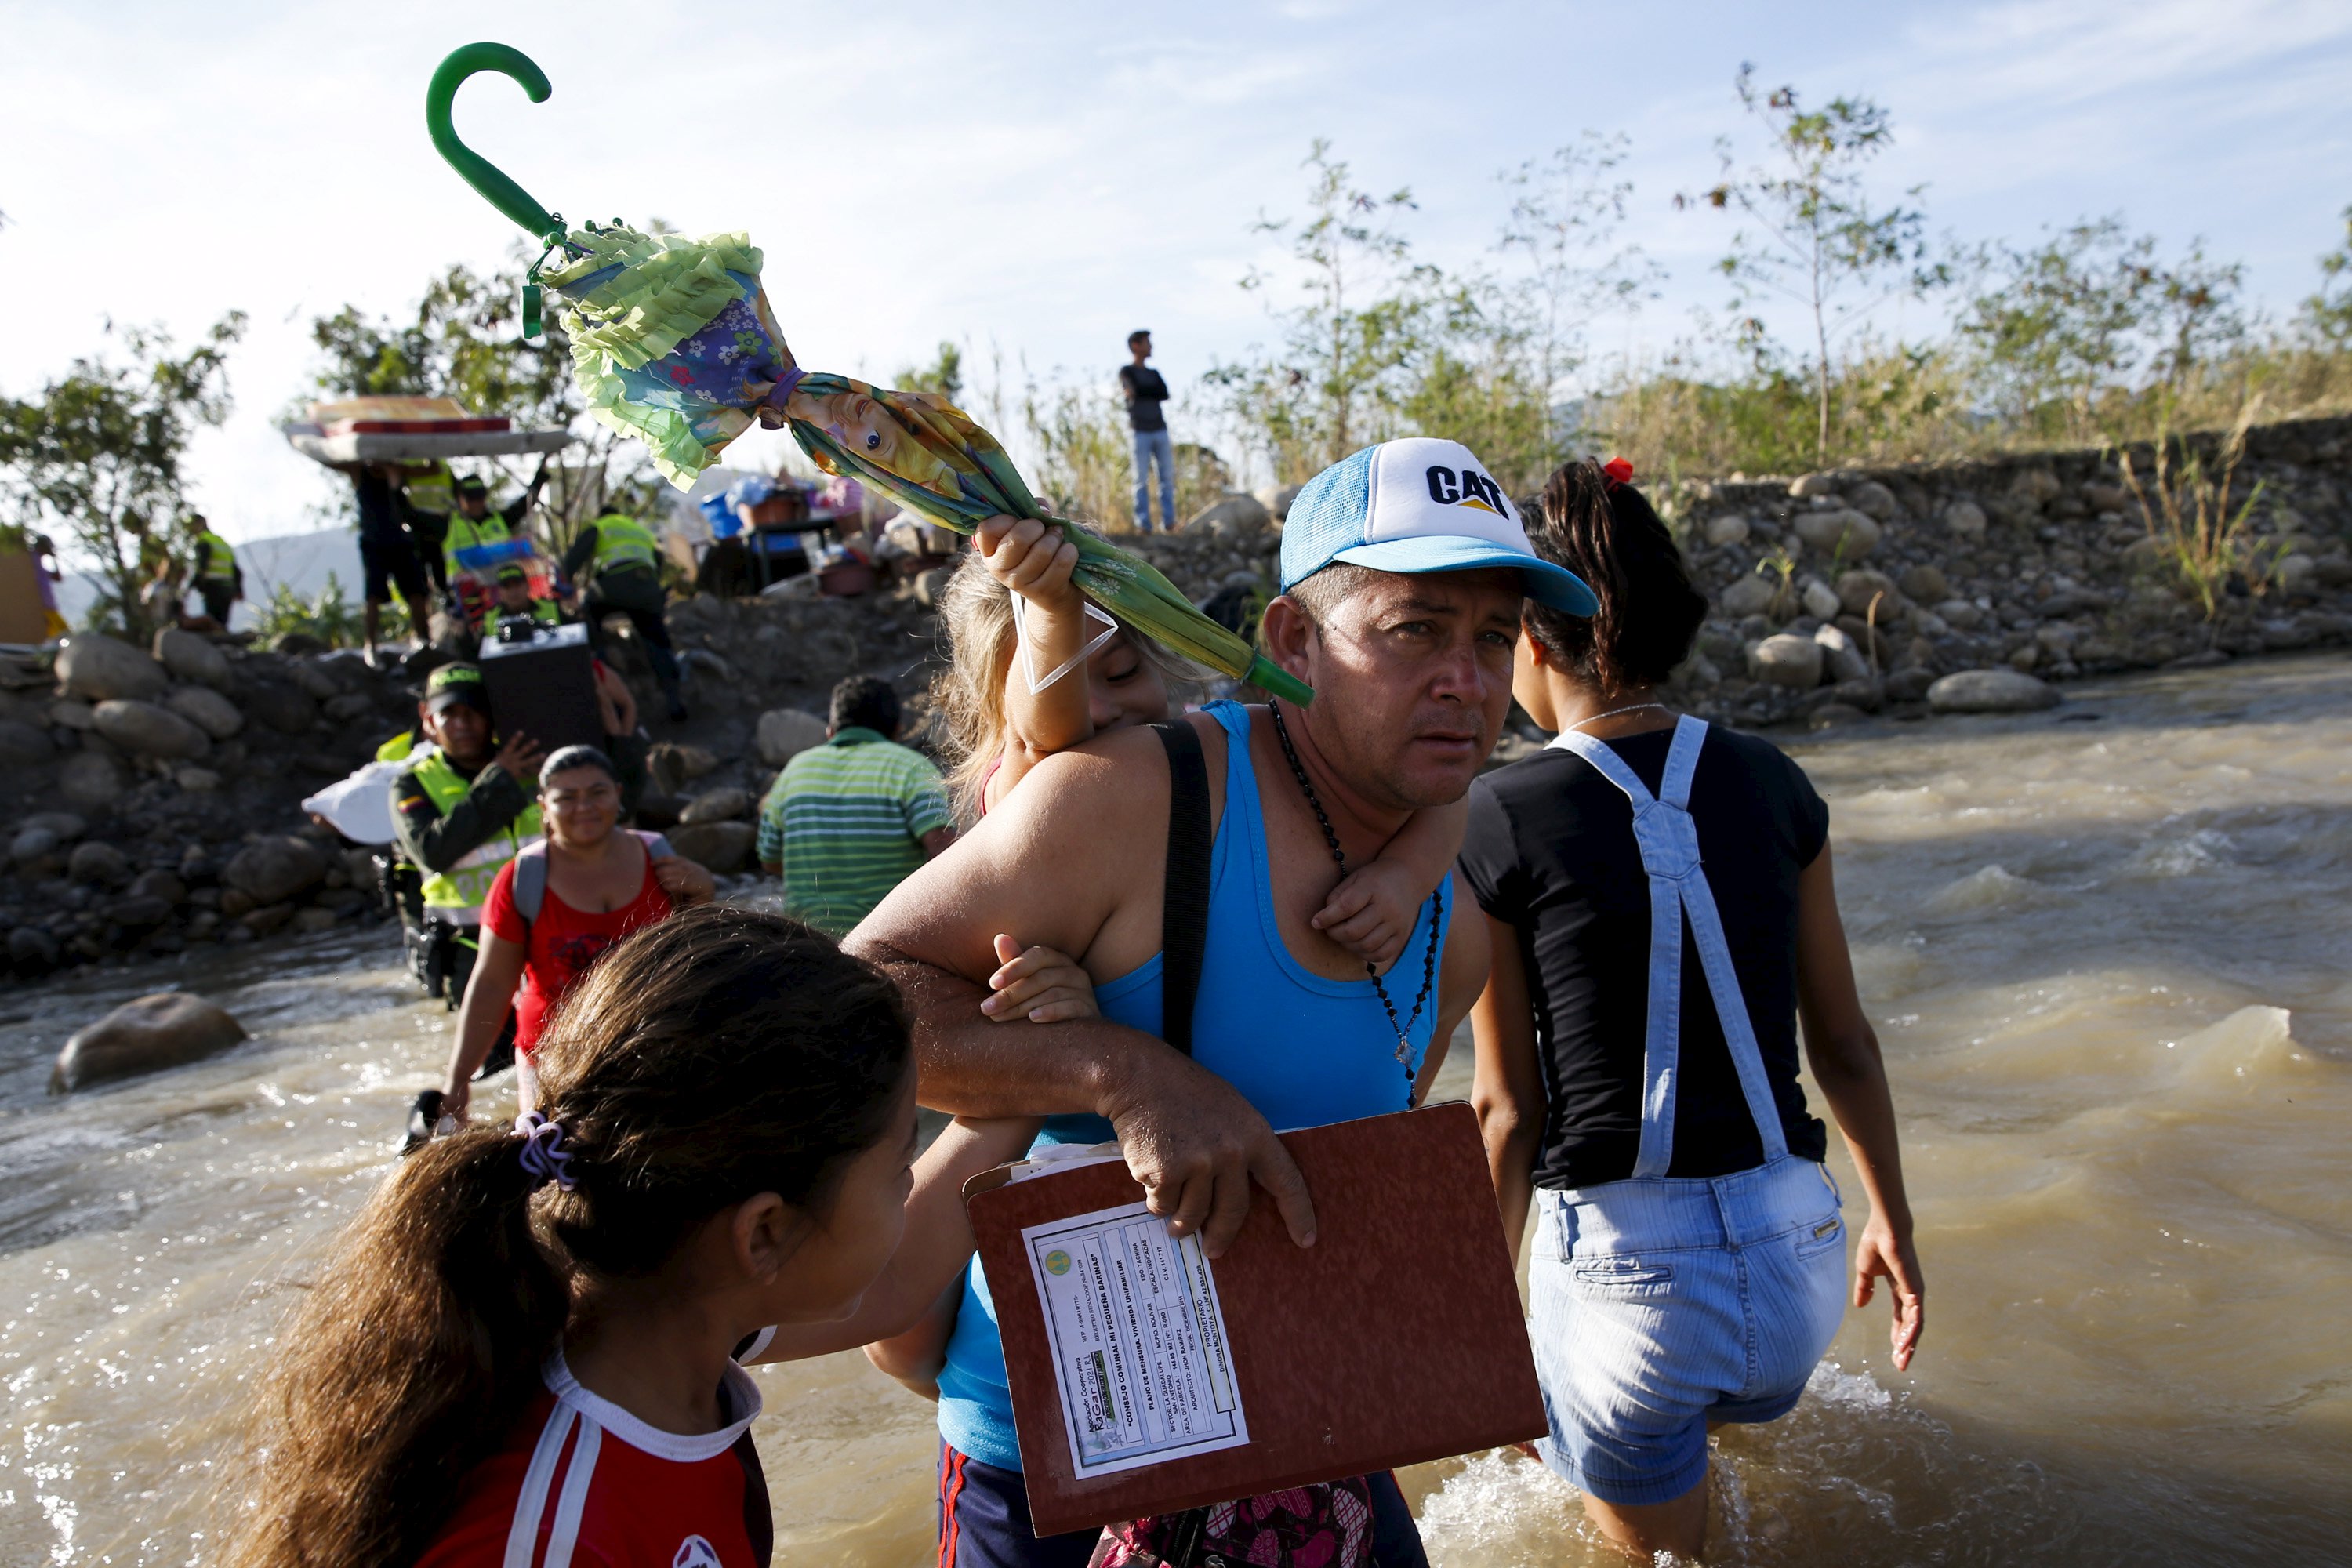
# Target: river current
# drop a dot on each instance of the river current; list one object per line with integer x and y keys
{"x": 2109, "y": 949}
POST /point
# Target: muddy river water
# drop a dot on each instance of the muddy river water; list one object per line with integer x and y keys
{"x": 2109, "y": 951}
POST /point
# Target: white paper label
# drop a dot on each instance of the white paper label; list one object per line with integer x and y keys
{"x": 1138, "y": 1341}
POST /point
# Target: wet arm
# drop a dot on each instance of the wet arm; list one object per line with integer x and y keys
{"x": 1507, "y": 1092}
{"x": 1842, "y": 1050}
{"x": 490, "y": 995}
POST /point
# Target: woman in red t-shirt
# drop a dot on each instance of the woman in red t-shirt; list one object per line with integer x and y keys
{"x": 601, "y": 884}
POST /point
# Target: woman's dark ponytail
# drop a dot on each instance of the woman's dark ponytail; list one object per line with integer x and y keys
{"x": 418, "y": 1347}
{"x": 1603, "y": 530}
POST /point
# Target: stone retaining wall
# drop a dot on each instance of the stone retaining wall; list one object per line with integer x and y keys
{"x": 2038, "y": 563}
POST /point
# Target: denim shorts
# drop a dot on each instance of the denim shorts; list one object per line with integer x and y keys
{"x": 1662, "y": 1305}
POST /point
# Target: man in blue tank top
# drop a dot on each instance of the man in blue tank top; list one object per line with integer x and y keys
{"x": 1403, "y": 570}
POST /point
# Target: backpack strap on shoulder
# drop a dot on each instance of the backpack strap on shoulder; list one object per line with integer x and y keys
{"x": 530, "y": 880}
{"x": 656, "y": 844}
{"x": 1184, "y": 903}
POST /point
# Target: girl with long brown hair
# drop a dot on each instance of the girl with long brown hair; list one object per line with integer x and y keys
{"x": 527, "y": 1349}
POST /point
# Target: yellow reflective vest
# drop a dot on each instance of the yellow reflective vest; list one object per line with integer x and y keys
{"x": 623, "y": 543}
{"x": 462, "y": 889}
{"x": 220, "y": 561}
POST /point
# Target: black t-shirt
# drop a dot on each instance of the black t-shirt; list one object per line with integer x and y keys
{"x": 1550, "y": 851}
{"x": 1148, "y": 392}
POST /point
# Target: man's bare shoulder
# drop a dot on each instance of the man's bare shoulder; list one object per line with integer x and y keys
{"x": 1121, "y": 776}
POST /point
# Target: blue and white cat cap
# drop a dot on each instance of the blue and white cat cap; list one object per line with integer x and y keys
{"x": 1413, "y": 506}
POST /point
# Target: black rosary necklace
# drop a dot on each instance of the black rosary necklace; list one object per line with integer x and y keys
{"x": 1340, "y": 858}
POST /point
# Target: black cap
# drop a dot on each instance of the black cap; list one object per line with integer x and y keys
{"x": 454, "y": 683}
{"x": 471, "y": 485}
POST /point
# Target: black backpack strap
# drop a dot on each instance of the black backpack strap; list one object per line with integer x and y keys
{"x": 1184, "y": 907}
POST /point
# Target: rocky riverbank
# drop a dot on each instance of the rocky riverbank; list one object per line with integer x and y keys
{"x": 153, "y": 796}
{"x": 1837, "y": 594}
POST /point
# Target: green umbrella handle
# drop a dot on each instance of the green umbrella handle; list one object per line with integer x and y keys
{"x": 477, "y": 171}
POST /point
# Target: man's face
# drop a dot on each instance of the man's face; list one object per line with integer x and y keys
{"x": 514, "y": 596}
{"x": 461, "y": 730}
{"x": 474, "y": 504}
{"x": 1142, "y": 346}
{"x": 1413, "y": 680}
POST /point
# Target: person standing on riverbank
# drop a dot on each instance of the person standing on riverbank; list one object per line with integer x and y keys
{"x": 1400, "y": 605}
{"x": 1662, "y": 913}
{"x": 220, "y": 581}
{"x": 1146, "y": 395}
{"x": 388, "y": 558}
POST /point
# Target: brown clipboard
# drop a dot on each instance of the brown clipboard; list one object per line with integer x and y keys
{"x": 1396, "y": 1337}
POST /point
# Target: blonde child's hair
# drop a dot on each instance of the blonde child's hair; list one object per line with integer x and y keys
{"x": 976, "y": 614}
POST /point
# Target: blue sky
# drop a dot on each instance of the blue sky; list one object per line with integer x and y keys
{"x": 1041, "y": 178}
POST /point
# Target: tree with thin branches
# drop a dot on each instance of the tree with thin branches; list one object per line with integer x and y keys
{"x": 1812, "y": 233}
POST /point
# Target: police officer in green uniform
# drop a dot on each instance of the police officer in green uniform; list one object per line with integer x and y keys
{"x": 623, "y": 560}
{"x": 515, "y": 600}
{"x": 475, "y": 522}
{"x": 461, "y": 811}
{"x": 219, "y": 579}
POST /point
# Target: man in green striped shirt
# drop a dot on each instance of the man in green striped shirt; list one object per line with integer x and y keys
{"x": 847, "y": 821}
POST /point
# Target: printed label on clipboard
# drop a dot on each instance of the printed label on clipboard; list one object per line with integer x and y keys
{"x": 1140, "y": 1354}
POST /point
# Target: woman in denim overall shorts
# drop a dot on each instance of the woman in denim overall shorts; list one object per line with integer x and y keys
{"x": 1678, "y": 1283}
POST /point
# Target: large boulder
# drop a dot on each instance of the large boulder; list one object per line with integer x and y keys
{"x": 272, "y": 871}
{"x": 1840, "y": 655}
{"x": 1751, "y": 596}
{"x": 91, "y": 782}
{"x": 1820, "y": 600}
{"x": 98, "y": 863}
{"x": 97, "y": 668}
{"x": 1235, "y": 513}
{"x": 722, "y": 847}
{"x": 281, "y": 704}
{"x": 64, "y": 824}
{"x": 207, "y": 710}
{"x": 1925, "y": 584}
{"x": 164, "y": 1030}
{"x": 1858, "y": 591}
{"x": 192, "y": 657}
{"x": 1842, "y": 531}
{"x": 1731, "y": 529}
{"x": 1965, "y": 519}
{"x": 1787, "y": 660}
{"x": 23, "y": 745}
{"x": 149, "y": 729}
{"x": 1805, "y": 486}
{"x": 1873, "y": 499}
{"x": 716, "y": 805}
{"x": 785, "y": 733}
{"x": 33, "y": 844}
{"x": 1991, "y": 691}
{"x": 1276, "y": 499}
